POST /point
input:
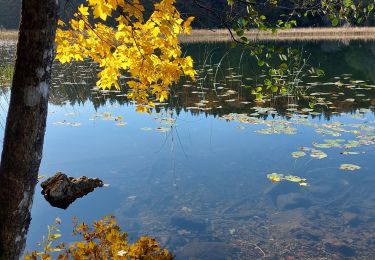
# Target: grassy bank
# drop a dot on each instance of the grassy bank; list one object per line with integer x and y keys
{"x": 297, "y": 34}
{"x": 6, "y": 75}
{"x": 6, "y": 35}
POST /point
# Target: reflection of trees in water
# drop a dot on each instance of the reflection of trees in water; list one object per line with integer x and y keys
{"x": 75, "y": 84}
{"x": 329, "y": 55}
{"x": 355, "y": 58}
{"x": 183, "y": 100}
{"x": 362, "y": 60}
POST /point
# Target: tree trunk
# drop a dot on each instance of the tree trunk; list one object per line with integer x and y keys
{"x": 26, "y": 123}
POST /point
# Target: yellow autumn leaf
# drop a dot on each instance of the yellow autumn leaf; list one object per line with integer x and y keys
{"x": 83, "y": 10}
{"x": 275, "y": 177}
{"x": 60, "y": 23}
{"x": 186, "y": 24}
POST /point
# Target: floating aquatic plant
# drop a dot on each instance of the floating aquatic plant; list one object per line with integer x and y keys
{"x": 64, "y": 122}
{"x": 121, "y": 123}
{"x": 162, "y": 129}
{"x": 351, "y": 153}
{"x": 298, "y": 154}
{"x": 349, "y": 167}
{"x": 146, "y": 128}
{"x": 277, "y": 177}
{"x": 318, "y": 154}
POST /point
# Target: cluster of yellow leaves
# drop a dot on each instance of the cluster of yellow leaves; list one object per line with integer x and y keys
{"x": 147, "y": 52}
{"x": 104, "y": 241}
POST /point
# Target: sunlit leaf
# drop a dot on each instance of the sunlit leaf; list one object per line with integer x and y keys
{"x": 294, "y": 178}
{"x": 349, "y": 167}
{"x": 275, "y": 177}
{"x": 298, "y": 154}
{"x": 318, "y": 154}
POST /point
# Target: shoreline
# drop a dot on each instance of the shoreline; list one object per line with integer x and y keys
{"x": 297, "y": 34}
{"x": 343, "y": 34}
{"x": 8, "y": 35}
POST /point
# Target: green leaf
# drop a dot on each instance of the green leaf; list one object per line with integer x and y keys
{"x": 56, "y": 236}
{"x": 274, "y": 88}
{"x": 267, "y": 82}
{"x": 261, "y": 63}
{"x": 283, "y": 66}
{"x": 283, "y": 57}
{"x": 244, "y": 39}
{"x": 335, "y": 21}
{"x": 240, "y": 32}
{"x": 347, "y": 3}
{"x": 232, "y": 45}
{"x": 320, "y": 72}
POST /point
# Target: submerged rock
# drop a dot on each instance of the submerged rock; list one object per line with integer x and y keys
{"x": 190, "y": 224}
{"x": 208, "y": 250}
{"x": 60, "y": 190}
{"x": 340, "y": 248}
{"x": 292, "y": 201}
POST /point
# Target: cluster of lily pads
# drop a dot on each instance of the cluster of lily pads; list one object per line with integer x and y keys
{"x": 280, "y": 126}
{"x": 64, "y": 122}
{"x": 364, "y": 135}
{"x": 276, "y": 177}
{"x": 106, "y": 116}
{"x": 165, "y": 122}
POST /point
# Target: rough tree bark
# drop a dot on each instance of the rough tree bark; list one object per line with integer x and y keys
{"x": 26, "y": 123}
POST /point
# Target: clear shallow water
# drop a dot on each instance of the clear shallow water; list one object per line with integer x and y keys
{"x": 199, "y": 183}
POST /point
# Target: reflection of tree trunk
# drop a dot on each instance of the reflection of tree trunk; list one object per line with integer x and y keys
{"x": 26, "y": 123}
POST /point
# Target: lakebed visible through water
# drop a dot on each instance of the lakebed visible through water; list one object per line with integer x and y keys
{"x": 197, "y": 172}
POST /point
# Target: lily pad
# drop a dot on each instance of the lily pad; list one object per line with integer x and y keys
{"x": 349, "y": 153}
{"x": 275, "y": 177}
{"x": 121, "y": 123}
{"x": 294, "y": 178}
{"x": 162, "y": 129}
{"x": 318, "y": 154}
{"x": 349, "y": 167}
{"x": 298, "y": 154}
{"x": 324, "y": 146}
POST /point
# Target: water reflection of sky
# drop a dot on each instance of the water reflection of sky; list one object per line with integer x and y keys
{"x": 206, "y": 181}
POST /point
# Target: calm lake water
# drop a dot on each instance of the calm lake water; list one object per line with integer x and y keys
{"x": 193, "y": 173}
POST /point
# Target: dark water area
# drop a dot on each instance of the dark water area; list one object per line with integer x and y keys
{"x": 195, "y": 172}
